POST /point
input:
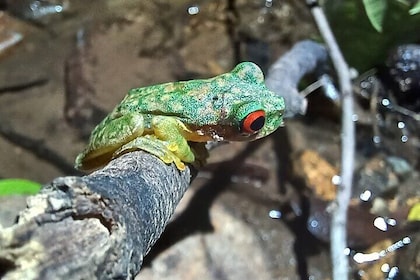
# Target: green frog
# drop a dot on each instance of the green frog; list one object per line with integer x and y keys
{"x": 174, "y": 120}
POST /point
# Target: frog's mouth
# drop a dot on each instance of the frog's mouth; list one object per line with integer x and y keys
{"x": 218, "y": 133}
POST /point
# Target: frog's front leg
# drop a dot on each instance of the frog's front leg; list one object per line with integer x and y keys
{"x": 167, "y": 142}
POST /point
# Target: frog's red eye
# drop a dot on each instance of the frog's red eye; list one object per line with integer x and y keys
{"x": 253, "y": 122}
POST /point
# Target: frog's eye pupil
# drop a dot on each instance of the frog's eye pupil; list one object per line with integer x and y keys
{"x": 253, "y": 122}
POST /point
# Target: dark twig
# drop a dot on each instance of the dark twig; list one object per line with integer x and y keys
{"x": 338, "y": 233}
{"x": 38, "y": 148}
{"x": 231, "y": 27}
{"x": 79, "y": 110}
{"x": 24, "y": 85}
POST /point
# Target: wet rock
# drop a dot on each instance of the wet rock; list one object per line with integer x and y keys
{"x": 40, "y": 11}
{"x": 317, "y": 173}
{"x": 408, "y": 260}
{"x": 378, "y": 176}
{"x": 404, "y": 75}
{"x": 10, "y": 206}
{"x": 235, "y": 250}
{"x": 363, "y": 228}
{"x": 8, "y": 36}
{"x": 374, "y": 269}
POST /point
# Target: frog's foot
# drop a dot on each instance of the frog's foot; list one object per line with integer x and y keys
{"x": 151, "y": 144}
{"x": 168, "y": 142}
{"x": 174, "y": 133}
{"x": 107, "y": 137}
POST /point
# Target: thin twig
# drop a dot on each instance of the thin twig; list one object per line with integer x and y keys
{"x": 338, "y": 232}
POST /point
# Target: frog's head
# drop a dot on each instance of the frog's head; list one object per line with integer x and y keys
{"x": 255, "y": 109}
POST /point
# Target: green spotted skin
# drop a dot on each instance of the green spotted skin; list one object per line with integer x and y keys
{"x": 162, "y": 119}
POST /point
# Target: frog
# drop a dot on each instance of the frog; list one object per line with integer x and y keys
{"x": 175, "y": 120}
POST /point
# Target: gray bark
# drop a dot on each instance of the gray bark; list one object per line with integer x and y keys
{"x": 97, "y": 226}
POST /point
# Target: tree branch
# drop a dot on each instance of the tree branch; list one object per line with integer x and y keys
{"x": 284, "y": 75}
{"x": 95, "y": 227}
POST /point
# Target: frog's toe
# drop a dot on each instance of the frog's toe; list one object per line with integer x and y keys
{"x": 169, "y": 157}
{"x": 179, "y": 164}
{"x": 183, "y": 153}
{"x": 173, "y": 147}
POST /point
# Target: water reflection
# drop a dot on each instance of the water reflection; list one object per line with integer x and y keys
{"x": 391, "y": 271}
{"x": 193, "y": 10}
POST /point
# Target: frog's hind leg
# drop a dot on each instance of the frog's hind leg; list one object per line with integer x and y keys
{"x": 107, "y": 137}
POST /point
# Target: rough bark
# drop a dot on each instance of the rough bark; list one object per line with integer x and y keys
{"x": 96, "y": 226}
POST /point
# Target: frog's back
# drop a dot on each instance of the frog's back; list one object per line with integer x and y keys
{"x": 178, "y": 99}
{"x": 198, "y": 102}
{"x": 150, "y": 99}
